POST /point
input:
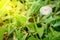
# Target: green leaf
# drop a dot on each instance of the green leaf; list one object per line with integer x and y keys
{"x": 35, "y": 7}
{"x": 2, "y": 30}
{"x": 54, "y": 33}
{"x": 19, "y": 34}
{"x": 56, "y": 38}
{"x": 31, "y": 27}
{"x": 40, "y": 31}
{"x": 24, "y": 37}
{"x": 48, "y": 20}
{"x": 21, "y": 18}
{"x": 32, "y": 38}
{"x": 10, "y": 28}
{"x": 57, "y": 24}
{"x": 46, "y": 38}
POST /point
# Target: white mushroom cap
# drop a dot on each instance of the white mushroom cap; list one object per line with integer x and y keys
{"x": 45, "y": 10}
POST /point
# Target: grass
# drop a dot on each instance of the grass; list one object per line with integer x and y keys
{"x": 22, "y": 20}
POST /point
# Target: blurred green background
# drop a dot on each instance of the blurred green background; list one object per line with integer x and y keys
{"x": 22, "y": 20}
